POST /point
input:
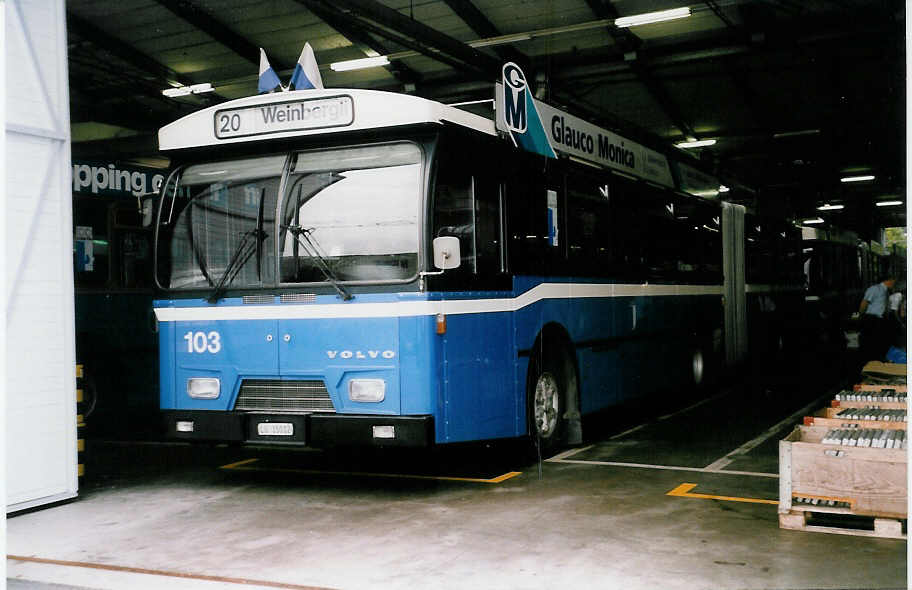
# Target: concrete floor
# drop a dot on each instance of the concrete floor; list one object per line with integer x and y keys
{"x": 174, "y": 516}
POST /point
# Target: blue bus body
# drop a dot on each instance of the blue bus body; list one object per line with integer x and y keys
{"x": 466, "y": 384}
{"x": 577, "y": 290}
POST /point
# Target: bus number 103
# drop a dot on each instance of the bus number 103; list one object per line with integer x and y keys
{"x": 200, "y": 342}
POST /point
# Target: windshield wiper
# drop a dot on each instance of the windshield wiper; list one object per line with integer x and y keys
{"x": 305, "y": 239}
{"x": 242, "y": 254}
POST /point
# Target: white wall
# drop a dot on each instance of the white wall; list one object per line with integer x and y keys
{"x": 40, "y": 378}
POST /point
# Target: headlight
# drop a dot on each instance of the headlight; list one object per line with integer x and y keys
{"x": 366, "y": 390}
{"x": 203, "y": 388}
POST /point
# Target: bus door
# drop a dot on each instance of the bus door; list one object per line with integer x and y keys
{"x": 222, "y": 237}
{"x": 592, "y": 251}
{"x": 478, "y": 363}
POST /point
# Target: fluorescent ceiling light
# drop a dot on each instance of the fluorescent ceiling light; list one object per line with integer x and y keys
{"x": 695, "y": 144}
{"x": 829, "y": 207}
{"x": 175, "y": 92}
{"x": 652, "y": 17}
{"x": 812, "y": 221}
{"x": 185, "y": 90}
{"x": 888, "y": 203}
{"x": 723, "y": 188}
{"x": 796, "y": 133}
{"x": 359, "y": 64}
{"x": 856, "y": 178}
{"x": 202, "y": 88}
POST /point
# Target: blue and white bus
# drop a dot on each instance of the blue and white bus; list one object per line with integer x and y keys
{"x": 354, "y": 267}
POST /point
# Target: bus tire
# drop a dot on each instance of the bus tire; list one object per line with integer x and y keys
{"x": 546, "y": 401}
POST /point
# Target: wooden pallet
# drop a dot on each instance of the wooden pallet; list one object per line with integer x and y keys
{"x": 866, "y": 482}
{"x": 797, "y": 520}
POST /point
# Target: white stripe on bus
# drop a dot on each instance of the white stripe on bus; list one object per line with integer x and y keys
{"x": 760, "y": 288}
{"x": 428, "y": 308}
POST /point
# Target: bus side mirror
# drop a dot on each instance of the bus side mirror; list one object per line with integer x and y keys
{"x": 146, "y": 207}
{"x": 446, "y": 252}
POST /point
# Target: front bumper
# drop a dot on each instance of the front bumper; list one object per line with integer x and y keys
{"x": 316, "y": 430}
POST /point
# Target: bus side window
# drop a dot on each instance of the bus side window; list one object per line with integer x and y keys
{"x": 488, "y": 226}
{"x": 665, "y": 236}
{"x": 527, "y": 223}
{"x": 454, "y": 215}
{"x": 588, "y": 226}
{"x": 700, "y": 256}
{"x": 629, "y": 230}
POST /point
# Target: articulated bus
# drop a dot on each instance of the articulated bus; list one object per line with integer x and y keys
{"x": 838, "y": 267}
{"x": 355, "y": 267}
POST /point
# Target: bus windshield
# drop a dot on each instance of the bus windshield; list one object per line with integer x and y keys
{"x": 351, "y": 213}
{"x": 347, "y": 214}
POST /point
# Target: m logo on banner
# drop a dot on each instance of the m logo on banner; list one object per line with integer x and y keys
{"x": 515, "y": 89}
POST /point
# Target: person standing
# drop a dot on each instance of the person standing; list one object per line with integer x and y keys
{"x": 898, "y": 316}
{"x": 876, "y": 335}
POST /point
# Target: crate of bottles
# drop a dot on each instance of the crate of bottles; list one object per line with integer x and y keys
{"x": 843, "y": 470}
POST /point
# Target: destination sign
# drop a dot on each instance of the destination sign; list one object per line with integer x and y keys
{"x": 280, "y": 117}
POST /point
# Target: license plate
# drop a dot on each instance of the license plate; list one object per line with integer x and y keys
{"x": 275, "y": 429}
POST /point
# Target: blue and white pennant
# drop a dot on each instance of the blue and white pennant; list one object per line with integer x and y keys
{"x": 306, "y": 74}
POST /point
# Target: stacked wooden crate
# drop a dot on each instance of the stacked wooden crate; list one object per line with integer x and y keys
{"x": 845, "y": 471}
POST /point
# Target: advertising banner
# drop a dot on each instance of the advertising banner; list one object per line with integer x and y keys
{"x": 106, "y": 179}
{"x": 540, "y": 128}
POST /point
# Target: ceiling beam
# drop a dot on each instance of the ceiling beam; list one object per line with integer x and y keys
{"x": 485, "y": 29}
{"x": 364, "y": 41}
{"x": 719, "y": 13}
{"x": 207, "y": 23}
{"x": 124, "y": 51}
{"x": 393, "y": 37}
{"x": 156, "y": 75}
{"x": 448, "y": 49}
{"x": 629, "y": 44}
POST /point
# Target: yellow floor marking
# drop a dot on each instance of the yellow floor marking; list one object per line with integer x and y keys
{"x": 683, "y": 491}
{"x": 221, "y": 580}
{"x": 235, "y": 465}
{"x": 242, "y": 466}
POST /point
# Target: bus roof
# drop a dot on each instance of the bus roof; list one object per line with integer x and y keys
{"x": 309, "y": 112}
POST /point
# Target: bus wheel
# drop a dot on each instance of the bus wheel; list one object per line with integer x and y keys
{"x": 546, "y": 403}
